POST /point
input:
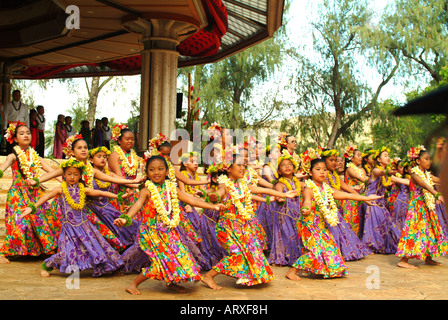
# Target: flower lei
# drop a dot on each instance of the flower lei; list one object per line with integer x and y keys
{"x": 326, "y": 204}
{"x": 356, "y": 169}
{"x": 288, "y": 185}
{"x": 102, "y": 185}
{"x": 426, "y": 177}
{"x": 26, "y": 165}
{"x": 334, "y": 185}
{"x": 349, "y": 152}
{"x": 155, "y": 142}
{"x": 246, "y": 211}
{"x": 92, "y": 152}
{"x": 87, "y": 174}
{"x": 251, "y": 176}
{"x": 116, "y": 131}
{"x": 385, "y": 181}
{"x": 130, "y": 168}
{"x": 380, "y": 151}
{"x": 82, "y": 198}
{"x": 67, "y": 145}
{"x": 9, "y": 135}
{"x": 172, "y": 202}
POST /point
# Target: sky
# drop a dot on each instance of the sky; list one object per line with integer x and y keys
{"x": 57, "y": 99}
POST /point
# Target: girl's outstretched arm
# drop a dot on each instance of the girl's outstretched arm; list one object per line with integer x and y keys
{"x": 143, "y": 196}
{"x": 400, "y": 180}
{"x": 50, "y": 195}
{"x": 272, "y": 192}
{"x": 186, "y": 180}
{"x": 198, "y": 202}
{"x": 340, "y": 195}
{"x": 115, "y": 179}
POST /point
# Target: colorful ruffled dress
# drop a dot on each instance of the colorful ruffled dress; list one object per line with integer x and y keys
{"x": 252, "y": 179}
{"x": 351, "y": 208}
{"x": 194, "y": 216}
{"x": 245, "y": 260}
{"x": 34, "y": 234}
{"x": 422, "y": 234}
{"x": 321, "y": 254}
{"x": 80, "y": 245}
{"x": 377, "y": 229}
{"x": 170, "y": 260}
{"x": 285, "y": 241}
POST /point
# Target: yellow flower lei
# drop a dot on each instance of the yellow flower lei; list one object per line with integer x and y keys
{"x": 25, "y": 165}
{"x": 82, "y": 198}
{"x": 129, "y": 168}
{"x": 172, "y": 201}
{"x": 102, "y": 185}
{"x": 288, "y": 185}
{"x": 245, "y": 211}
{"x": 384, "y": 181}
{"x": 327, "y": 205}
{"x": 356, "y": 169}
{"x": 87, "y": 174}
{"x": 430, "y": 200}
{"x": 188, "y": 188}
{"x": 334, "y": 185}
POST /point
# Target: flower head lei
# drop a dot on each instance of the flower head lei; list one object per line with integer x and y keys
{"x": 414, "y": 152}
{"x": 349, "y": 152}
{"x": 185, "y": 157}
{"x": 306, "y": 158}
{"x": 215, "y": 130}
{"x": 329, "y": 153}
{"x": 116, "y": 131}
{"x": 72, "y": 162}
{"x": 367, "y": 153}
{"x": 271, "y": 147}
{"x": 67, "y": 145}
{"x": 92, "y": 152}
{"x": 157, "y": 141}
{"x": 281, "y": 139}
{"x": 380, "y": 151}
{"x": 10, "y": 132}
{"x": 394, "y": 163}
{"x": 287, "y": 156}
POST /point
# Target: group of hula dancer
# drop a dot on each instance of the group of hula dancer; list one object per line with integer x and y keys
{"x": 117, "y": 212}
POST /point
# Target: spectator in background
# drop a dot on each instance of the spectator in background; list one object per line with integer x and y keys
{"x": 68, "y": 127}
{"x": 15, "y": 111}
{"x": 85, "y": 132}
{"x": 107, "y": 133}
{"x": 59, "y": 138}
{"x": 34, "y": 129}
{"x": 41, "y": 129}
{"x": 97, "y": 135}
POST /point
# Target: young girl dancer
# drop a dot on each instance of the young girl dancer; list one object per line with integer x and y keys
{"x": 400, "y": 205}
{"x": 376, "y": 227}
{"x": 285, "y": 244}
{"x": 422, "y": 237}
{"x": 171, "y": 261}
{"x": 27, "y": 236}
{"x": 347, "y": 240}
{"x": 80, "y": 245}
{"x": 245, "y": 260}
{"x": 321, "y": 255}
{"x": 355, "y": 177}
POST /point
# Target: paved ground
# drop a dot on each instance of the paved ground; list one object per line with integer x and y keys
{"x": 375, "y": 277}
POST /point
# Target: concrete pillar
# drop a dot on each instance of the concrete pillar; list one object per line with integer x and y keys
{"x": 160, "y": 38}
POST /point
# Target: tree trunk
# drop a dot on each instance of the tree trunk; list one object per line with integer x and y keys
{"x": 93, "y": 92}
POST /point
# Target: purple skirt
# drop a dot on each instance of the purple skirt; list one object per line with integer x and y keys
{"x": 285, "y": 246}
{"x": 213, "y": 251}
{"x": 400, "y": 208}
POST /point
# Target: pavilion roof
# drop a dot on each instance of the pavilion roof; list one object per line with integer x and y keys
{"x": 35, "y": 38}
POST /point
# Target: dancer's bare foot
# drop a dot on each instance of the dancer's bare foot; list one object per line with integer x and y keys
{"x": 403, "y": 263}
{"x": 44, "y": 273}
{"x": 132, "y": 289}
{"x": 4, "y": 260}
{"x": 210, "y": 282}
{"x": 176, "y": 288}
{"x": 431, "y": 262}
{"x": 292, "y": 274}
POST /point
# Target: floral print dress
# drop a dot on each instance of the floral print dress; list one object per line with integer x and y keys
{"x": 422, "y": 233}
{"x": 170, "y": 260}
{"x": 321, "y": 254}
{"x": 34, "y": 234}
{"x": 245, "y": 260}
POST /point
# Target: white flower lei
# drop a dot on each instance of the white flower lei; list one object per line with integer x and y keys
{"x": 327, "y": 204}
{"x": 356, "y": 169}
{"x": 430, "y": 200}
{"x": 245, "y": 211}
{"x": 172, "y": 201}
{"x": 129, "y": 168}
{"x": 25, "y": 165}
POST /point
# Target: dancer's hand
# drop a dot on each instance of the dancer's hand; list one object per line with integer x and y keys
{"x": 25, "y": 212}
{"x": 119, "y": 222}
{"x": 188, "y": 209}
{"x": 305, "y": 211}
{"x": 213, "y": 197}
{"x": 220, "y": 207}
{"x": 30, "y": 182}
{"x": 291, "y": 194}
